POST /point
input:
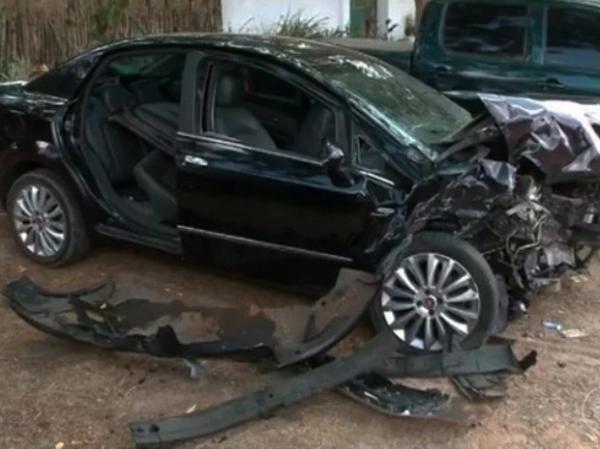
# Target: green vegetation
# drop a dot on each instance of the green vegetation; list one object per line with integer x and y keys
{"x": 15, "y": 70}
{"x": 297, "y": 25}
{"x": 36, "y": 32}
{"x": 106, "y": 15}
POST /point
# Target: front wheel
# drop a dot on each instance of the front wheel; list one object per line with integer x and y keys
{"x": 45, "y": 218}
{"x": 442, "y": 294}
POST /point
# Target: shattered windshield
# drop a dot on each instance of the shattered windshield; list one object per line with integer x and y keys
{"x": 402, "y": 104}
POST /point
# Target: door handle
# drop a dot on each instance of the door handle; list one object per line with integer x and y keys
{"x": 553, "y": 82}
{"x": 442, "y": 70}
{"x": 195, "y": 160}
{"x": 383, "y": 212}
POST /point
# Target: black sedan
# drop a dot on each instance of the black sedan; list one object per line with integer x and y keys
{"x": 286, "y": 145}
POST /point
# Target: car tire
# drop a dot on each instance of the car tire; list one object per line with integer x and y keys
{"x": 46, "y": 220}
{"x": 470, "y": 329}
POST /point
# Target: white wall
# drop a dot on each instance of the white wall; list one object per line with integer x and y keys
{"x": 265, "y": 13}
{"x": 255, "y": 16}
{"x": 396, "y": 10}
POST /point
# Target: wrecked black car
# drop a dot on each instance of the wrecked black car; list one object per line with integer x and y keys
{"x": 289, "y": 146}
{"x": 280, "y": 144}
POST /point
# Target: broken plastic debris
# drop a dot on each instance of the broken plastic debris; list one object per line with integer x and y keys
{"x": 552, "y": 325}
{"x": 579, "y": 278}
{"x": 572, "y": 333}
{"x": 196, "y": 368}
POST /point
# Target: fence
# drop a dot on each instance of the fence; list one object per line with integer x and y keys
{"x": 48, "y": 31}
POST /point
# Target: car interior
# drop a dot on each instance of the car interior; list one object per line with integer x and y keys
{"x": 265, "y": 111}
{"x": 132, "y": 116}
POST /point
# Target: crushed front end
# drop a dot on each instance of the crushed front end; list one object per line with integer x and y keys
{"x": 522, "y": 184}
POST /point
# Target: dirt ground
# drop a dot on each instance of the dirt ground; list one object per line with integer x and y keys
{"x": 58, "y": 394}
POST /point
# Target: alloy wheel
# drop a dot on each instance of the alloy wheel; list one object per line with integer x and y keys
{"x": 430, "y": 301}
{"x": 39, "y": 221}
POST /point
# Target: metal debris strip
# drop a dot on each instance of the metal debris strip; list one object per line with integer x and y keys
{"x": 262, "y": 403}
{"x": 355, "y": 375}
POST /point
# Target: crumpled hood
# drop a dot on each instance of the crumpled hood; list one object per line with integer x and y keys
{"x": 558, "y": 137}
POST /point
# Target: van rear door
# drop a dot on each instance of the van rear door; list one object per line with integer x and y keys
{"x": 571, "y": 56}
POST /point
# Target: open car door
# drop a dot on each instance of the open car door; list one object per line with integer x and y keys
{"x": 230, "y": 190}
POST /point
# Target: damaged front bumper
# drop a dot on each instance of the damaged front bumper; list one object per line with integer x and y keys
{"x": 285, "y": 336}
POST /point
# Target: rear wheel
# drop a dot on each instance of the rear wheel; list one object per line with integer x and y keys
{"x": 46, "y": 221}
{"x": 441, "y": 294}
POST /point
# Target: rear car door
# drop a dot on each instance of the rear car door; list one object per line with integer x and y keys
{"x": 571, "y": 64}
{"x": 235, "y": 184}
{"x": 477, "y": 46}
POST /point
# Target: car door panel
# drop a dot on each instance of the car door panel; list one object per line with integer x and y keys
{"x": 262, "y": 196}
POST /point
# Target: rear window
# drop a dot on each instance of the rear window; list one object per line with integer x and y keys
{"x": 573, "y": 38}
{"x": 486, "y": 29}
{"x": 155, "y": 64}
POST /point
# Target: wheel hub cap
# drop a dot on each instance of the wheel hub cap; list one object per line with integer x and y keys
{"x": 430, "y": 301}
{"x": 39, "y": 221}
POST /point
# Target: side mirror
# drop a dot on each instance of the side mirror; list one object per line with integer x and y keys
{"x": 335, "y": 156}
{"x": 334, "y": 164}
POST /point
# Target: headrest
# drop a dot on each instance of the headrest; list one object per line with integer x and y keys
{"x": 229, "y": 89}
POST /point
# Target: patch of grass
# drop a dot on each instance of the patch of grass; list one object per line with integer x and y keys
{"x": 297, "y": 25}
{"x": 15, "y": 70}
{"x": 106, "y": 15}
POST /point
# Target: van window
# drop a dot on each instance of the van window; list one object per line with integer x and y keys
{"x": 490, "y": 29}
{"x": 573, "y": 38}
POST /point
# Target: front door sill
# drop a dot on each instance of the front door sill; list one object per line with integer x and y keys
{"x": 168, "y": 244}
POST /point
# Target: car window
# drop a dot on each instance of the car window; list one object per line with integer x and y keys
{"x": 404, "y": 106}
{"x": 153, "y": 77}
{"x": 497, "y": 30}
{"x": 266, "y": 111}
{"x": 133, "y": 65}
{"x": 155, "y": 64}
{"x": 573, "y": 37}
{"x": 368, "y": 156}
{"x": 262, "y": 84}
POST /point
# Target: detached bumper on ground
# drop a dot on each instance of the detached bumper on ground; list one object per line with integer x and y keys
{"x": 284, "y": 336}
